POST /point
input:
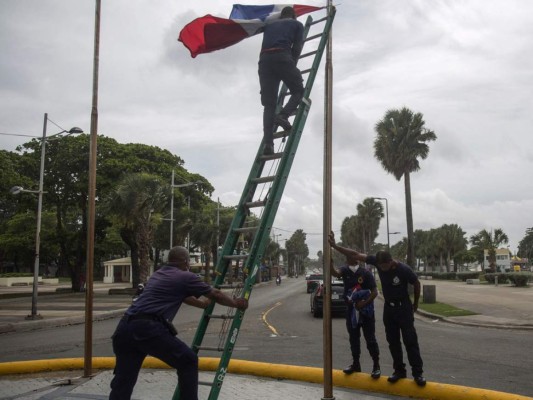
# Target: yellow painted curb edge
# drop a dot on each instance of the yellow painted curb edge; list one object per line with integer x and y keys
{"x": 359, "y": 381}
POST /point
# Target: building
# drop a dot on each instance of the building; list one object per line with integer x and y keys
{"x": 503, "y": 260}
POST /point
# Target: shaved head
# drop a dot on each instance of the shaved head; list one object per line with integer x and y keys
{"x": 179, "y": 256}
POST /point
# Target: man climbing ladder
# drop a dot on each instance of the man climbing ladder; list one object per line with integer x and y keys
{"x": 282, "y": 45}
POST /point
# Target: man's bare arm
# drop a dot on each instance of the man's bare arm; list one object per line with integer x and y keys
{"x": 344, "y": 250}
{"x": 201, "y": 302}
{"x": 225, "y": 300}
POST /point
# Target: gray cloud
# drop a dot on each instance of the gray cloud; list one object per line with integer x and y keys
{"x": 467, "y": 66}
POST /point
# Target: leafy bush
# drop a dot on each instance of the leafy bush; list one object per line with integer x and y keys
{"x": 502, "y": 278}
{"x": 438, "y": 275}
{"x": 463, "y": 276}
{"x": 16, "y": 275}
{"x": 519, "y": 279}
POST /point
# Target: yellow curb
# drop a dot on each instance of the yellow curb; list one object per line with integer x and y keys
{"x": 359, "y": 381}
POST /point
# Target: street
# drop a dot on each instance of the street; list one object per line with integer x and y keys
{"x": 487, "y": 358}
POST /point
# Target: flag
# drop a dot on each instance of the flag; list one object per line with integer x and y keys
{"x": 209, "y": 33}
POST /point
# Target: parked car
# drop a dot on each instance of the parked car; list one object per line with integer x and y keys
{"x": 312, "y": 281}
{"x": 337, "y": 299}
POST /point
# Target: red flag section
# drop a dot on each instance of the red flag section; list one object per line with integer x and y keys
{"x": 209, "y": 33}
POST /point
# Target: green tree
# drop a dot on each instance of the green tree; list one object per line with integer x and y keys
{"x": 297, "y": 251}
{"x": 400, "y": 142}
{"x": 66, "y": 185}
{"x": 399, "y": 250}
{"x": 351, "y": 233}
{"x": 137, "y": 204}
{"x": 369, "y": 214}
{"x": 453, "y": 242}
{"x": 17, "y": 241}
{"x": 525, "y": 247}
{"x": 485, "y": 240}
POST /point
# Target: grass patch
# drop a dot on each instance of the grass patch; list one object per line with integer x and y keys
{"x": 444, "y": 310}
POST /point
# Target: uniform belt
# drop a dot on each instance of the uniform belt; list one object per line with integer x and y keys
{"x": 396, "y": 303}
{"x": 151, "y": 317}
{"x": 272, "y": 50}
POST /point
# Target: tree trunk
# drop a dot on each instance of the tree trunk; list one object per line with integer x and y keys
{"x": 409, "y": 215}
{"x": 144, "y": 257}
{"x": 128, "y": 236}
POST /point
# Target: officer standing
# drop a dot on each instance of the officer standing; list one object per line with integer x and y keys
{"x": 146, "y": 328}
{"x": 357, "y": 278}
{"x": 398, "y": 312}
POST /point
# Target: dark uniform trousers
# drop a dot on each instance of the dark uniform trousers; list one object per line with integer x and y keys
{"x": 399, "y": 319}
{"x": 368, "y": 325}
{"x": 274, "y": 67}
{"x": 134, "y": 340}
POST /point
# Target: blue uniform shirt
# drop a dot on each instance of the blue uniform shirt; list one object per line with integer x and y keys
{"x": 285, "y": 34}
{"x": 394, "y": 282}
{"x": 360, "y": 279}
{"x": 165, "y": 291}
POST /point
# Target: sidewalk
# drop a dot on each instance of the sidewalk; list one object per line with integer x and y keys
{"x": 498, "y": 307}
{"x": 160, "y": 385}
{"x": 502, "y": 306}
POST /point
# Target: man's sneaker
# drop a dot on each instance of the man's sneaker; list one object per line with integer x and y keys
{"x": 420, "y": 380}
{"x": 282, "y": 121}
{"x": 268, "y": 150}
{"x": 396, "y": 376}
{"x": 351, "y": 369}
{"x": 376, "y": 372}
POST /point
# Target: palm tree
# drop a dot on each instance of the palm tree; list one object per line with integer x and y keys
{"x": 369, "y": 213}
{"x": 453, "y": 241}
{"x": 485, "y": 240}
{"x": 137, "y": 203}
{"x": 401, "y": 140}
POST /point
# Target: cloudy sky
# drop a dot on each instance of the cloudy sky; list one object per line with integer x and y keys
{"x": 467, "y": 66}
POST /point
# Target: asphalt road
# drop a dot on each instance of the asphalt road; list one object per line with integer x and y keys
{"x": 487, "y": 358}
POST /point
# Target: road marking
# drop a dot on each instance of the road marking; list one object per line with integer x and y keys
{"x": 265, "y": 318}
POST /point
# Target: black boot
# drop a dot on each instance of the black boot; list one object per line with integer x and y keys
{"x": 282, "y": 120}
{"x": 355, "y": 367}
{"x": 376, "y": 372}
{"x": 396, "y": 376}
{"x": 420, "y": 380}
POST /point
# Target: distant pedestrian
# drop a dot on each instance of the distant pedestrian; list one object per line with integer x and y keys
{"x": 147, "y": 329}
{"x": 280, "y": 50}
{"x": 398, "y": 312}
{"x": 359, "y": 293}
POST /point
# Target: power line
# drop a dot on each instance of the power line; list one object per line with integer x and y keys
{"x": 18, "y": 134}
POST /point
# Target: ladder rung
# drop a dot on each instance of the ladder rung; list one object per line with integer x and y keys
{"x": 210, "y": 348}
{"x": 247, "y": 229}
{"x": 238, "y": 286}
{"x": 253, "y": 204}
{"x": 264, "y": 179}
{"x": 281, "y": 134}
{"x": 221, "y": 316}
{"x": 309, "y": 54}
{"x": 205, "y": 383}
{"x": 313, "y": 37}
{"x": 236, "y": 257}
{"x": 274, "y": 156}
{"x": 319, "y": 20}
{"x": 306, "y": 71}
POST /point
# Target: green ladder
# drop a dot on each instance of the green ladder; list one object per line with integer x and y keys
{"x": 262, "y": 190}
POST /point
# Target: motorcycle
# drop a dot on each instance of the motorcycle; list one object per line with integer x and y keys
{"x": 278, "y": 280}
{"x": 138, "y": 292}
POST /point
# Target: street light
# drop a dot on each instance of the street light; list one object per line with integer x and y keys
{"x": 17, "y": 189}
{"x": 387, "y": 215}
{"x": 172, "y": 187}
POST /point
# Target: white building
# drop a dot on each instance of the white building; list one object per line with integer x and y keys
{"x": 503, "y": 259}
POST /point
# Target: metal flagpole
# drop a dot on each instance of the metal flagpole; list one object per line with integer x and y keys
{"x": 88, "y": 353}
{"x": 327, "y": 335}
